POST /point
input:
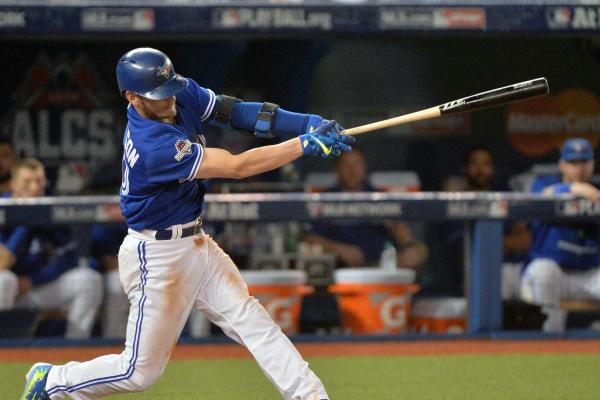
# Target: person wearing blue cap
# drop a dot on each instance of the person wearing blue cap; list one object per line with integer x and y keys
{"x": 168, "y": 265}
{"x": 563, "y": 261}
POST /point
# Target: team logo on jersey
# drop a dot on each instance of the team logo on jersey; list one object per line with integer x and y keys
{"x": 183, "y": 147}
{"x": 165, "y": 71}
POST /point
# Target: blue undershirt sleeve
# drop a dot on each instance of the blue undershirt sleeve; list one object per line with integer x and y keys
{"x": 244, "y": 114}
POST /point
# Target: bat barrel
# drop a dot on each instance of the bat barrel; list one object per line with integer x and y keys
{"x": 497, "y": 97}
{"x": 491, "y": 98}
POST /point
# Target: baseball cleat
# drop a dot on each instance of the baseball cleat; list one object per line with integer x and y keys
{"x": 35, "y": 382}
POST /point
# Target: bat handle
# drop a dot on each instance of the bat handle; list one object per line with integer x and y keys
{"x": 428, "y": 113}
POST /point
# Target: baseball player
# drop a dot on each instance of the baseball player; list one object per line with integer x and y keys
{"x": 39, "y": 266}
{"x": 564, "y": 258}
{"x": 167, "y": 265}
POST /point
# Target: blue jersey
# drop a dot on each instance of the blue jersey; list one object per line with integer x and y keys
{"x": 573, "y": 245}
{"x": 160, "y": 162}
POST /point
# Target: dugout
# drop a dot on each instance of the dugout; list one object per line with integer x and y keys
{"x": 356, "y": 62}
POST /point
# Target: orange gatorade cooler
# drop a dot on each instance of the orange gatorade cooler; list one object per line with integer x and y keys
{"x": 281, "y": 293}
{"x": 373, "y": 300}
{"x": 439, "y": 315}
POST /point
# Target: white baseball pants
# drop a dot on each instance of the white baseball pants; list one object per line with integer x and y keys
{"x": 78, "y": 291}
{"x": 544, "y": 283}
{"x": 164, "y": 280}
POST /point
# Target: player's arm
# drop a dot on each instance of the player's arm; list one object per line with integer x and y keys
{"x": 262, "y": 119}
{"x": 583, "y": 189}
{"x": 265, "y": 120}
{"x": 325, "y": 141}
{"x": 412, "y": 253}
{"x": 176, "y": 158}
{"x": 65, "y": 258}
{"x": 219, "y": 163}
{"x": 350, "y": 254}
{"x": 10, "y": 245}
{"x": 7, "y": 258}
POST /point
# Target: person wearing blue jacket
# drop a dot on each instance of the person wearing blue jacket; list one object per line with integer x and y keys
{"x": 563, "y": 261}
{"x": 39, "y": 265}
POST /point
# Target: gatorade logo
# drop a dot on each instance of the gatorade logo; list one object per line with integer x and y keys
{"x": 539, "y": 126}
{"x": 280, "y": 309}
{"x": 392, "y": 312}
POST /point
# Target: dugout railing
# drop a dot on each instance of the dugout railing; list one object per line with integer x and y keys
{"x": 485, "y": 212}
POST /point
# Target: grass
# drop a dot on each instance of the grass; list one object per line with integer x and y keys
{"x": 481, "y": 377}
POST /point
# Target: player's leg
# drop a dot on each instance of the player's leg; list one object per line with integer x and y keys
{"x": 511, "y": 280}
{"x": 78, "y": 291}
{"x": 541, "y": 284}
{"x": 225, "y": 300}
{"x": 591, "y": 284}
{"x": 161, "y": 293}
{"x": 85, "y": 284}
{"x": 582, "y": 285}
{"x": 9, "y": 287}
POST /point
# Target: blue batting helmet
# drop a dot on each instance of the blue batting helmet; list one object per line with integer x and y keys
{"x": 149, "y": 73}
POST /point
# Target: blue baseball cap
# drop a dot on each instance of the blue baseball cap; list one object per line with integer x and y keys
{"x": 577, "y": 150}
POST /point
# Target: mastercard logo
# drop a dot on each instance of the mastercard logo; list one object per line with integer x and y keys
{"x": 540, "y": 126}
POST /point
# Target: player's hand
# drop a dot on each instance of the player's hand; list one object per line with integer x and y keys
{"x": 25, "y": 285}
{"x": 411, "y": 257}
{"x": 586, "y": 190}
{"x": 351, "y": 255}
{"x": 326, "y": 141}
{"x": 314, "y": 121}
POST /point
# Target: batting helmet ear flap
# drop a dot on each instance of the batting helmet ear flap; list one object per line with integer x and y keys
{"x": 149, "y": 73}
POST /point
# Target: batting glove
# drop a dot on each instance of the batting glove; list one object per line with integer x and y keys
{"x": 314, "y": 121}
{"x": 326, "y": 141}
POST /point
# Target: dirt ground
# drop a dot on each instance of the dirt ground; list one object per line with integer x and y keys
{"x": 205, "y": 351}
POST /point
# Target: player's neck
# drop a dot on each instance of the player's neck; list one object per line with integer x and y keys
{"x": 143, "y": 114}
{"x": 167, "y": 120}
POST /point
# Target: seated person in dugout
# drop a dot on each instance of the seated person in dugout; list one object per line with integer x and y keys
{"x": 360, "y": 243}
{"x": 39, "y": 264}
{"x": 106, "y": 240}
{"x": 564, "y": 257}
{"x": 446, "y": 267}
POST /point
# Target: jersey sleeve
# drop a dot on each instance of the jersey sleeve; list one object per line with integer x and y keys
{"x": 538, "y": 185}
{"x": 175, "y": 159}
{"x": 203, "y": 99}
{"x": 541, "y": 183}
{"x": 65, "y": 258}
{"x": 15, "y": 239}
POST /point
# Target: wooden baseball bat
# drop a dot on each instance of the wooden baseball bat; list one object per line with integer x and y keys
{"x": 491, "y": 98}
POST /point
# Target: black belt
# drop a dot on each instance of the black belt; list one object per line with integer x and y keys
{"x": 167, "y": 234}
